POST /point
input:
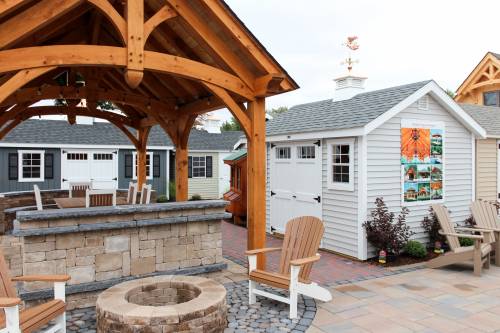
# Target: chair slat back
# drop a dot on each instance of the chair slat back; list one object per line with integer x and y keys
{"x": 97, "y": 198}
{"x": 78, "y": 189}
{"x": 145, "y": 194}
{"x": 7, "y": 288}
{"x": 485, "y": 214}
{"x": 132, "y": 193}
{"x": 446, "y": 224}
{"x": 38, "y": 197}
{"x": 302, "y": 238}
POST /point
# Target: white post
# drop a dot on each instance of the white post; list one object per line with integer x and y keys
{"x": 252, "y": 265}
{"x": 60, "y": 294}
{"x": 12, "y": 319}
{"x": 294, "y": 279}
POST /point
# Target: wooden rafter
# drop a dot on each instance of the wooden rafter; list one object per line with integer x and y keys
{"x": 109, "y": 56}
{"x": 213, "y": 41}
{"x": 33, "y": 19}
{"x": 8, "y": 6}
{"x": 159, "y": 17}
{"x": 20, "y": 79}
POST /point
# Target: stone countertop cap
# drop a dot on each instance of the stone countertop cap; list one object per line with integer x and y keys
{"x": 52, "y": 214}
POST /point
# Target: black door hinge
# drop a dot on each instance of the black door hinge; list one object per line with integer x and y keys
{"x": 273, "y": 229}
{"x": 64, "y": 180}
{"x": 115, "y": 178}
{"x": 318, "y": 199}
{"x": 318, "y": 143}
{"x": 272, "y": 193}
{"x": 273, "y": 145}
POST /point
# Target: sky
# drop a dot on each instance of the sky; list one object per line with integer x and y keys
{"x": 400, "y": 41}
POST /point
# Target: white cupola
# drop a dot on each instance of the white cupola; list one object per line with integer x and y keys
{"x": 348, "y": 86}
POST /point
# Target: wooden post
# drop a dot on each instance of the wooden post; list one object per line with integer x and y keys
{"x": 256, "y": 210}
{"x": 181, "y": 173}
{"x": 142, "y": 137}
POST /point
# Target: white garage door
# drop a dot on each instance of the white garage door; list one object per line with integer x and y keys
{"x": 96, "y": 166}
{"x": 295, "y": 181}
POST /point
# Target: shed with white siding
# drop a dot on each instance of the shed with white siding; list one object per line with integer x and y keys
{"x": 333, "y": 158}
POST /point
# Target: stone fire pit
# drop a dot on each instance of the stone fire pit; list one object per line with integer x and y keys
{"x": 169, "y": 303}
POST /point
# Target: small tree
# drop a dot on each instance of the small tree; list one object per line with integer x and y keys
{"x": 383, "y": 232}
{"x": 231, "y": 125}
{"x": 277, "y": 111}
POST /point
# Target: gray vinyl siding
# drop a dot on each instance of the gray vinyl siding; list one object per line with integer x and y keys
{"x": 159, "y": 184}
{"x": 268, "y": 188}
{"x": 486, "y": 169}
{"x": 340, "y": 211}
{"x": 7, "y": 185}
{"x": 208, "y": 188}
{"x": 384, "y": 169}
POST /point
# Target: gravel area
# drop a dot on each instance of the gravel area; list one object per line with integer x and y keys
{"x": 264, "y": 316}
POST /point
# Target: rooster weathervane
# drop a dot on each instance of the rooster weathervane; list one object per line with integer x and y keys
{"x": 352, "y": 45}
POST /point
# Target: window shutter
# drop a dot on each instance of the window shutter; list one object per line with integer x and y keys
{"x": 209, "y": 166}
{"x": 13, "y": 166}
{"x": 156, "y": 166}
{"x": 190, "y": 167}
{"x": 128, "y": 165}
{"x": 49, "y": 166}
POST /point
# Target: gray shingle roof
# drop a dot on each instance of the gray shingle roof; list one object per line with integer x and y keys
{"x": 101, "y": 133}
{"x": 334, "y": 115}
{"x": 487, "y": 116}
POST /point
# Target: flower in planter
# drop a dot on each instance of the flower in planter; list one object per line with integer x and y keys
{"x": 382, "y": 257}
{"x": 438, "y": 248}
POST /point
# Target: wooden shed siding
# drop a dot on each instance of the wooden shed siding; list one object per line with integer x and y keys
{"x": 384, "y": 170}
{"x": 486, "y": 169}
{"x": 7, "y": 185}
{"x": 159, "y": 184}
{"x": 340, "y": 211}
{"x": 208, "y": 188}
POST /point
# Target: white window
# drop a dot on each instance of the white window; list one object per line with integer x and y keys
{"x": 341, "y": 164}
{"x": 199, "y": 166}
{"x": 31, "y": 165}
{"x": 283, "y": 153}
{"x": 306, "y": 152}
{"x": 149, "y": 166}
{"x": 423, "y": 103}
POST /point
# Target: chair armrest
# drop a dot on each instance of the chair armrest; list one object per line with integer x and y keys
{"x": 461, "y": 235}
{"x": 264, "y": 250}
{"x": 303, "y": 261}
{"x": 474, "y": 229}
{"x": 7, "y": 302}
{"x": 43, "y": 278}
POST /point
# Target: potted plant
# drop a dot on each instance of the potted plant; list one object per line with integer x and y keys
{"x": 386, "y": 232}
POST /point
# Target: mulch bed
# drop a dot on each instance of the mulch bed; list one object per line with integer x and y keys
{"x": 404, "y": 259}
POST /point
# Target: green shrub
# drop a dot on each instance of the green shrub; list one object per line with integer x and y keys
{"x": 465, "y": 241}
{"x": 171, "y": 190}
{"x": 162, "y": 198}
{"x": 195, "y": 197}
{"x": 415, "y": 249}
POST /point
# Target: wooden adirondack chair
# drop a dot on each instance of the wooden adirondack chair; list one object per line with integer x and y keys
{"x": 486, "y": 216}
{"x": 33, "y": 318}
{"x": 299, "y": 252}
{"x": 479, "y": 253}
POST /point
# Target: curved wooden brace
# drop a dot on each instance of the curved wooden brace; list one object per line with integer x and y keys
{"x": 92, "y": 55}
{"x": 238, "y": 112}
{"x": 116, "y": 19}
{"x": 484, "y": 84}
{"x": 64, "y": 110}
{"x": 125, "y": 131}
{"x": 20, "y": 79}
{"x": 9, "y": 127}
{"x": 165, "y": 13}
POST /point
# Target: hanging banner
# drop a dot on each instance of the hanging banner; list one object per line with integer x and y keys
{"x": 422, "y": 151}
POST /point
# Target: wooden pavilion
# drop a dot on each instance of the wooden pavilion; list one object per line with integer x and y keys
{"x": 160, "y": 62}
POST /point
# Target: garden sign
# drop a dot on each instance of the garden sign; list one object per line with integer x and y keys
{"x": 422, "y": 160}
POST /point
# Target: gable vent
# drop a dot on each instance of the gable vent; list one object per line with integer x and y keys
{"x": 423, "y": 103}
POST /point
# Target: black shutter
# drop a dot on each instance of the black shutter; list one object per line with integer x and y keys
{"x": 128, "y": 165}
{"x": 49, "y": 166}
{"x": 156, "y": 166}
{"x": 190, "y": 167}
{"x": 209, "y": 167}
{"x": 13, "y": 164}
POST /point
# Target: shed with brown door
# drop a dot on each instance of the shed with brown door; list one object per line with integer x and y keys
{"x": 237, "y": 194}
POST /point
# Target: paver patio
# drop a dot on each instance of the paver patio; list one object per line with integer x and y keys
{"x": 441, "y": 300}
{"x": 330, "y": 270}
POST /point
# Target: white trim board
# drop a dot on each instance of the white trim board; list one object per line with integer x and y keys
{"x": 73, "y": 146}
